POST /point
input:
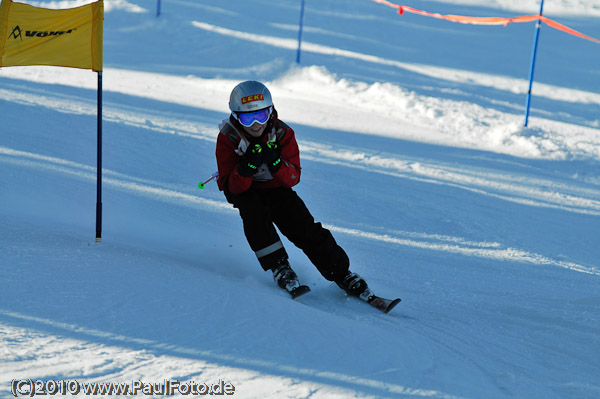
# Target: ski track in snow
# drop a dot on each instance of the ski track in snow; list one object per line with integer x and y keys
{"x": 515, "y": 188}
{"x": 115, "y": 363}
{"x": 512, "y": 85}
{"x": 520, "y": 189}
{"x": 468, "y": 328}
{"x": 399, "y": 113}
{"x": 159, "y": 191}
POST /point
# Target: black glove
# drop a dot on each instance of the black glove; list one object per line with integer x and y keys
{"x": 272, "y": 156}
{"x": 251, "y": 160}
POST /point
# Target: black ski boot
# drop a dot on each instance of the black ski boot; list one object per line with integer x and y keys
{"x": 354, "y": 285}
{"x": 287, "y": 279}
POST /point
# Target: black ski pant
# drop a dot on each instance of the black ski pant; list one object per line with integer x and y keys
{"x": 263, "y": 209}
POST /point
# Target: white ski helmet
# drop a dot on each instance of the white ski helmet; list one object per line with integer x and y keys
{"x": 249, "y": 96}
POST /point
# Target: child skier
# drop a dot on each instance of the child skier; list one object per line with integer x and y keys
{"x": 259, "y": 163}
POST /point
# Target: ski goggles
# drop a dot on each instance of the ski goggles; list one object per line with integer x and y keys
{"x": 248, "y": 118}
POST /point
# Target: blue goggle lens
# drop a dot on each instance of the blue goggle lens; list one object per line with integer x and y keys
{"x": 248, "y": 118}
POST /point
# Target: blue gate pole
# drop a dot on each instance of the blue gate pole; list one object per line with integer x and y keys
{"x": 300, "y": 32}
{"x": 532, "y": 68}
{"x": 99, "y": 164}
{"x": 157, "y": 8}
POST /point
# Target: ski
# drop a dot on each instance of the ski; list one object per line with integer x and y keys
{"x": 299, "y": 291}
{"x": 383, "y": 304}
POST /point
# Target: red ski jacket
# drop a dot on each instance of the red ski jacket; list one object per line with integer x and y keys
{"x": 231, "y": 145}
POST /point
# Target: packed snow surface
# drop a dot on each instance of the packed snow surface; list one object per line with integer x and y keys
{"x": 414, "y": 155}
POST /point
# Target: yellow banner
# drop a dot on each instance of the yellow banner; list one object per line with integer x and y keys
{"x": 40, "y": 36}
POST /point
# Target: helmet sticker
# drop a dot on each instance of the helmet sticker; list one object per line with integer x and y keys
{"x": 254, "y": 97}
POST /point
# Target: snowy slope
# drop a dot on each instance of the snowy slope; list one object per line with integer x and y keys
{"x": 414, "y": 155}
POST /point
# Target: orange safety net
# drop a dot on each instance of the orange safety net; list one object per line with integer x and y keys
{"x": 488, "y": 20}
